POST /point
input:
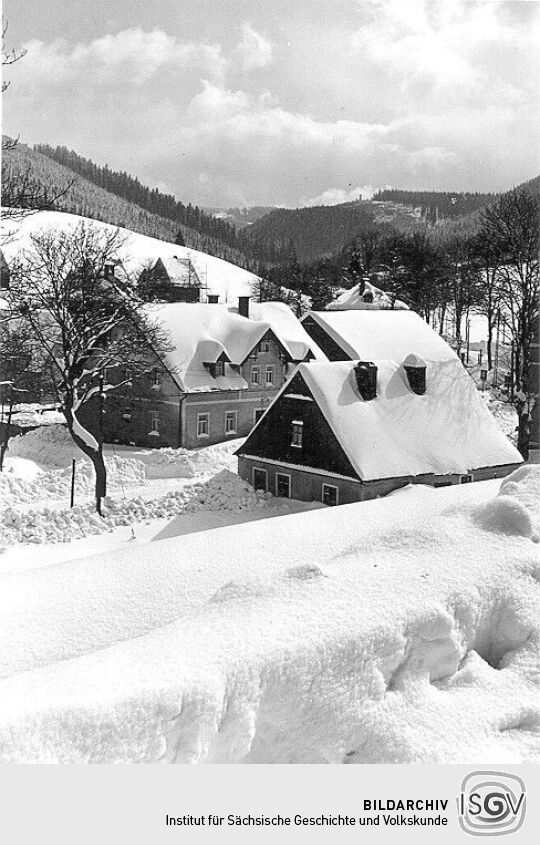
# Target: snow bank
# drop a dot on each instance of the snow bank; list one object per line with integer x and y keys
{"x": 225, "y": 492}
{"x": 28, "y": 479}
{"x": 300, "y": 639}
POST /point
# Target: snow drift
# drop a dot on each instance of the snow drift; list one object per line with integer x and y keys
{"x": 331, "y": 636}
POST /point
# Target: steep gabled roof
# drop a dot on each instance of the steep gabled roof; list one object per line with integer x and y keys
{"x": 201, "y": 333}
{"x": 367, "y": 335}
{"x": 446, "y": 430}
{"x": 354, "y": 299}
{"x": 180, "y": 271}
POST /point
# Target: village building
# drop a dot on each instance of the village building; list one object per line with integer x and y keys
{"x": 172, "y": 279}
{"x": 365, "y": 296}
{"x": 222, "y": 369}
{"x": 403, "y": 411}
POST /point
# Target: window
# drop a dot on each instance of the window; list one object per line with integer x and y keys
{"x": 219, "y": 369}
{"x": 154, "y": 423}
{"x": 269, "y": 376}
{"x": 283, "y": 485}
{"x": 260, "y": 479}
{"x": 203, "y": 425}
{"x": 297, "y": 433}
{"x": 255, "y": 375}
{"x": 127, "y": 414}
{"x": 231, "y": 422}
{"x": 330, "y": 494}
{"x": 156, "y": 379}
{"x": 264, "y": 346}
{"x": 465, "y": 479}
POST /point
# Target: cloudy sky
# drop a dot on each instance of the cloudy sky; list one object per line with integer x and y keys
{"x": 285, "y": 102}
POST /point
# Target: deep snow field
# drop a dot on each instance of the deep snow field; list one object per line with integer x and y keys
{"x": 152, "y": 494}
{"x": 405, "y": 629}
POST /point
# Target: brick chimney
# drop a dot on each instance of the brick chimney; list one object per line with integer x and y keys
{"x": 243, "y": 306}
{"x": 366, "y": 379}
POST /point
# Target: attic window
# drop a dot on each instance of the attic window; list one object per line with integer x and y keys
{"x": 297, "y": 433}
{"x": 415, "y": 369}
{"x": 264, "y": 346}
{"x": 156, "y": 379}
{"x": 219, "y": 369}
{"x": 368, "y": 296}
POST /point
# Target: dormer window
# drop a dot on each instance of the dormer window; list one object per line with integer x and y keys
{"x": 219, "y": 369}
{"x": 297, "y": 433}
{"x": 415, "y": 370}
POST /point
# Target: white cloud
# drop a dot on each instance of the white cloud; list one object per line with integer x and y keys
{"x": 134, "y": 53}
{"x": 254, "y": 51}
{"x": 336, "y": 196}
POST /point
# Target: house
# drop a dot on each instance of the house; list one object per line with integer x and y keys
{"x": 223, "y": 368}
{"x": 170, "y": 278}
{"x": 346, "y": 431}
{"x": 365, "y": 297}
{"x": 368, "y": 334}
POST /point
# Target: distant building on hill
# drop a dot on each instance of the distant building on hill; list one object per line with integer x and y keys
{"x": 222, "y": 370}
{"x": 365, "y": 297}
{"x": 171, "y": 279}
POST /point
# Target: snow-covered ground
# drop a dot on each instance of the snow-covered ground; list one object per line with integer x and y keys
{"x": 152, "y": 494}
{"x": 400, "y": 630}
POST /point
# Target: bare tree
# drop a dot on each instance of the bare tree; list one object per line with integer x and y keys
{"x": 88, "y": 323}
{"x": 511, "y": 228}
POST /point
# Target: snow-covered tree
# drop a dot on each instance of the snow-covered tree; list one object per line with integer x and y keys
{"x": 87, "y": 322}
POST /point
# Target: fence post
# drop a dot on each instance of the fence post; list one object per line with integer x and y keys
{"x": 72, "y": 500}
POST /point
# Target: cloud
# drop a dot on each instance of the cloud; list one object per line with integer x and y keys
{"x": 254, "y": 51}
{"x": 336, "y": 196}
{"x": 135, "y": 54}
{"x": 417, "y": 94}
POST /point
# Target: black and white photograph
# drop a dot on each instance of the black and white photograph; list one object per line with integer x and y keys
{"x": 269, "y": 432}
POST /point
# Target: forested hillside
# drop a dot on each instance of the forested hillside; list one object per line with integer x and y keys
{"x": 73, "y": 192}
{"x": 308, "y": 233}
{"x": 436, "y": 205}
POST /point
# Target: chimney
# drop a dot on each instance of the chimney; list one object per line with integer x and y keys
{"x": 366, "y": 379}
{"x": 213, "y": 298}
{"x": 415, "y": 369}
{"x": 243, "y": 306}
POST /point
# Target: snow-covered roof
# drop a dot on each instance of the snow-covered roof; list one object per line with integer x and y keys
{"x": 137, "y": 251}
{"x": 368, "y": 335}
{"x": 201, "y": 333}
{"x": 446, "y": 430}
{"x": 180, "y": 270}
{"x": 354, "y": 299}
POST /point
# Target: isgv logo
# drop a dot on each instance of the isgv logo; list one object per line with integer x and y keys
{"x": 491, "y": 803}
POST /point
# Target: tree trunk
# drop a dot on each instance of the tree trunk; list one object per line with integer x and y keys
{"x": 95, "y": 455}
{"x": 5, "y": 439}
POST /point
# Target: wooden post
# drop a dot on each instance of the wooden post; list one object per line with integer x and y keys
{"x": 534, "y": 436}
{"x": 72, "y": 497}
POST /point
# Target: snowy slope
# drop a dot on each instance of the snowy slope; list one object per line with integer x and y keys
{"x": 222, "y": 278}
{"x": 305, "y": 640}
